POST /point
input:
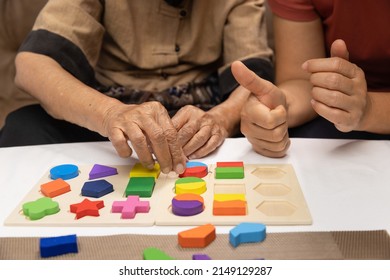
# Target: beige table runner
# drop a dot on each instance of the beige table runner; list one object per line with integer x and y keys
{"x": 334, "y": 245}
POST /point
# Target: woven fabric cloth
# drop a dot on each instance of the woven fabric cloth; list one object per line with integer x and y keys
{"x": 353, "y": 245}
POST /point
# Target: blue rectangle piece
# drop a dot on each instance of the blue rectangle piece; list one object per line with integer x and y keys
{"x": 54, "y": 246}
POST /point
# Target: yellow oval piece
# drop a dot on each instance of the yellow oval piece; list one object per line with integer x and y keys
{"x": 193, "y": 185}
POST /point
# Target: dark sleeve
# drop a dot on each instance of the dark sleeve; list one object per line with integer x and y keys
{"x": 67, "y": 54}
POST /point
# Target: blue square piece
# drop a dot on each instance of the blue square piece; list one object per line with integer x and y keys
{"x": 97, "y": 188}
{"x": 54, "y": 246}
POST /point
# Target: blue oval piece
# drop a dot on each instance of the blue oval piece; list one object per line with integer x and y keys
{"x": 65, "y": 172}
{"x": 190, "y": 164}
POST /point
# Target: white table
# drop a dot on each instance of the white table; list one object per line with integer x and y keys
{"x": 346, "y": 183}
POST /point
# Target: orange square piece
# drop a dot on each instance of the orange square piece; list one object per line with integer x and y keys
{"x": 229, "y": 208}
{"x": 55, "y": 188}
{"x": 198, "y": 237}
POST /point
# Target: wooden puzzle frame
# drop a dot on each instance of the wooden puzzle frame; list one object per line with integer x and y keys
{"x": 272, "y": 192}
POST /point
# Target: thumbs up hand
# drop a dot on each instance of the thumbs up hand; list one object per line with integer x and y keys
{"x": 264, "y": 116}
{"x": 339, "y": 88}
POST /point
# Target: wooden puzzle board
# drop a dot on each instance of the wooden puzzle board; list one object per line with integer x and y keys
{"x": 273, "y": 195}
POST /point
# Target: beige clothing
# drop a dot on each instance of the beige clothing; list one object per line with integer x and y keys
{"x": 151, "y": 45}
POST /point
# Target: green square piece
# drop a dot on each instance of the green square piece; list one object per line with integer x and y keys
{"x": 141, "y": 186}
{"x": 229, "y": 172}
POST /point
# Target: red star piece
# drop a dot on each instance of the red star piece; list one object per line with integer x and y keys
{"x": 86, "y": 208}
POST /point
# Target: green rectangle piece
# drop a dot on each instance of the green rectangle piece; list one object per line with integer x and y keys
{"x": 141, "y": 186}
{"x": 229, "y": 172}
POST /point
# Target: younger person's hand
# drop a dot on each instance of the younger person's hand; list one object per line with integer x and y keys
{"x": 339, "y": 88}
{"x": 150, "y": 131}
{"x": 264, "y": 116}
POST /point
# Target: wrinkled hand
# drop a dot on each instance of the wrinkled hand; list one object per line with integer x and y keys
{"x": 264, "y": 116}
{"x": 150, "y": 130}
{"x": 199, "y": 132}
{"x": 339, "y": 88}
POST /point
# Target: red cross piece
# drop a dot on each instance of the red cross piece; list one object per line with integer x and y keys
{"x": 130, "y": 207}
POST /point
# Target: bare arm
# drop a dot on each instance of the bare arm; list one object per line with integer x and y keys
{"x": 352, "y": 108}
{"x": 295, "y": 43}
{"x": 64, "y": 97}
{"x": 340, "y": 93}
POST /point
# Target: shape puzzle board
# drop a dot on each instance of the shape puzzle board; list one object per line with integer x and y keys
{"x": 273, "y": 195}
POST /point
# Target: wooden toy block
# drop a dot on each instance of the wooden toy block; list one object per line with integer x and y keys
{"x": 152, "y": 253}
{"x": 130, "y": 207}
{"x": 247, "y": 233}
{"x": 272, "y": 191}
{"x": 141, "y": 186}
{"x": 229, "y": 172}
{"x": 87, "y": 208}
{"x": 99, "y": 171}
{"x": 55, "y": 188}
{"x": 229, "y": 208}
{"x": 190, "y": 164}
{"x": 55, "y": 246}
{"x": 64, "y": 171}
{"x": 230, "y": 164}
{"x": 198, "y": 237}
{"x": 195, "y": 169}
{"x": 139, "y": 171}
{"x": 229, "y": 196}
{"x": 187, "y": 204}
{"x": 190, "y": 185}
{"x": 40, "y": 208}
{"x": 96, "y": 188}
{"x": 200, "y": 257}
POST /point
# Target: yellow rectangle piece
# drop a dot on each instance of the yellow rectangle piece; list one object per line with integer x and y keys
{"x": 139, "y": 171}
{"x": 229, "y": 196}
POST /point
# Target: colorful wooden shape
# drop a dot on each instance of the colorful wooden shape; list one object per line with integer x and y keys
{"x": 190, "y": 164}
{"x": 87, "y": 208}
{"x": 230, "y": 164}
{"x": 130, "y": 207}
{"x": 198, "y": 237}
{"x": 55, "y": 188}
{"x": 99, "y": 171}
{"x": 247, "y": 233}
{"x": 40, "y": 208}
{"x": 152, "y": 253}
{"x": 139, "y": 170}
{"x": 187, "y": 204}
{"x": 64, "y": 171}
{"x": 190, "y": 185}
{"x": 195, "y": 169}
{"x": 96, "y": 188}
{"x": 55, "y": 246}
{"x": 229, "y": 208}
{"x": 229, "y": 196}
{"x": 141, "y": 186}
{"x": 200, "y": 257}
{"x": 229, "y": 173}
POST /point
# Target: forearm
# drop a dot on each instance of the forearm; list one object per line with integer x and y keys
{"x": 61, "y": 94}
{"x": 229, "y": 112}
{"x": 376, "y": 118}
{"x": 299, "y": 109}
